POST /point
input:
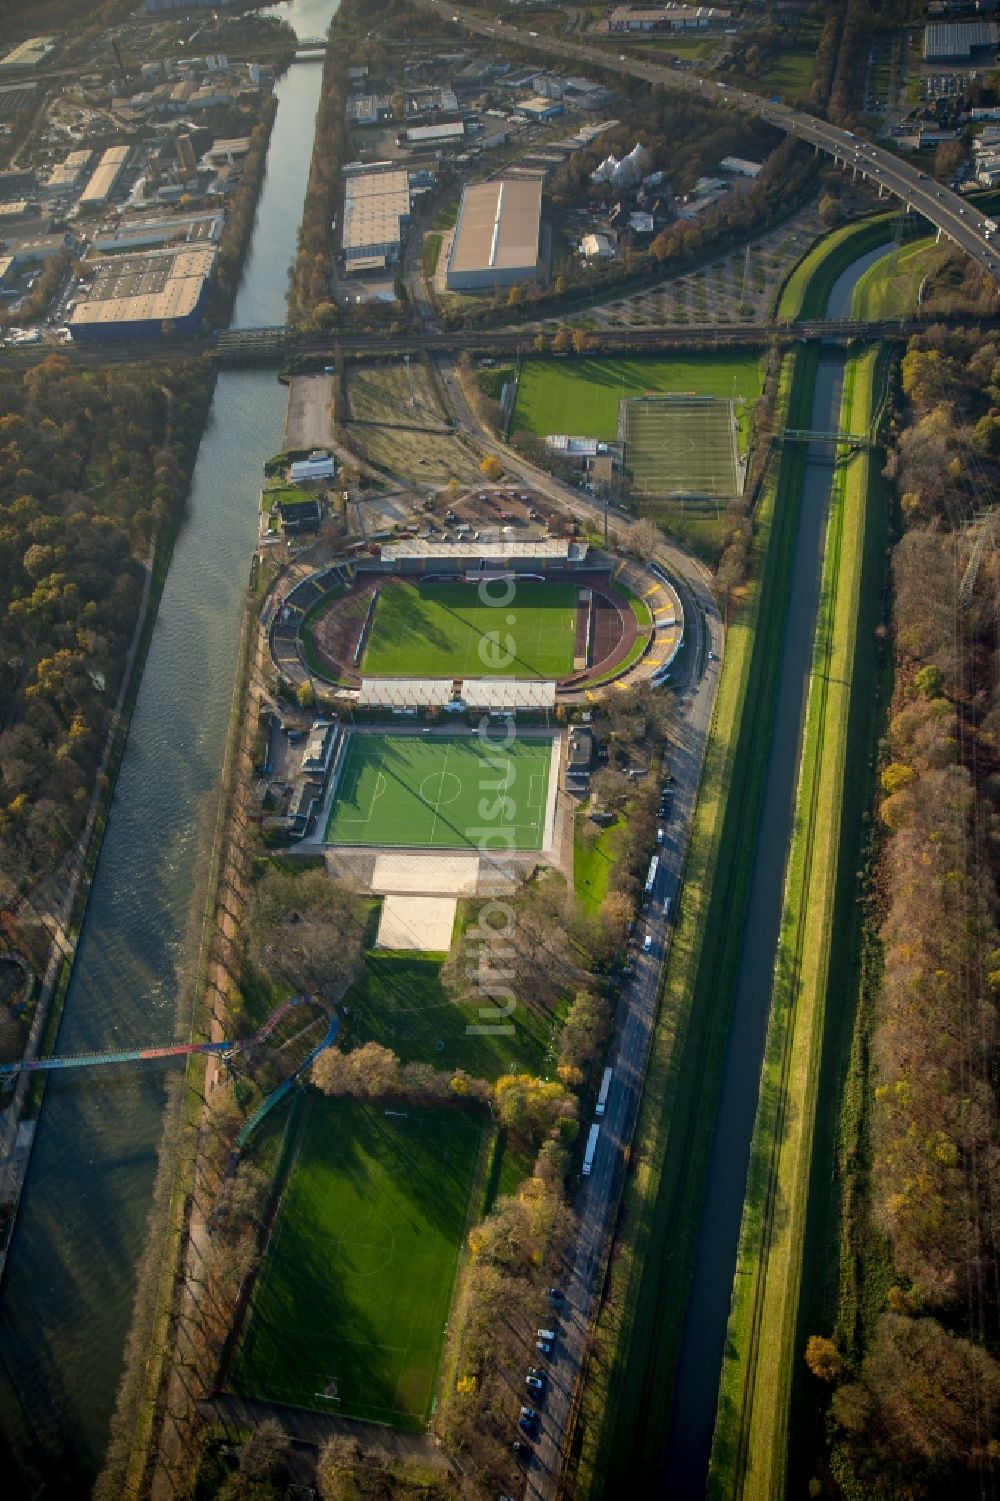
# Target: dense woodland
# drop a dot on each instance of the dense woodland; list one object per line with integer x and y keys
{"x": 916, "y": 1409}
{"x": 94, "y": 467}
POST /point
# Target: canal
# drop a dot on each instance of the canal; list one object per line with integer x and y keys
{"x": 68, "y": 1289}
{"x": 699, "y": 1364}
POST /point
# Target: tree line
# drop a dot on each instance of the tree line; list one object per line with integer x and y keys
{"x": 916, "y": 1405}
{"x": 94, "y": 469}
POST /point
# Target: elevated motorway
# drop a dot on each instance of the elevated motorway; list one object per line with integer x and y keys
{"x": 951, "y": 214}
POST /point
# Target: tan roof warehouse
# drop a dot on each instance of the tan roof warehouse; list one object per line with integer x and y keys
{"x": 496, "y": 239}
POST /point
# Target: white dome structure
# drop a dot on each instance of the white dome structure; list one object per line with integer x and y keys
{"x": 605, "y": 172}
{"x": 630, "y": 169}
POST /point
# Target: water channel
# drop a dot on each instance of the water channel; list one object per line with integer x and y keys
{"x": 70, "y": 1278}
{"x": 699, "y": 1364}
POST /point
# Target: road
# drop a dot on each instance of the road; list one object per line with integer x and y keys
{"x": 949, "y": 212}
{"x": 598, "y": 1200}
{"x": 696, "y": 680}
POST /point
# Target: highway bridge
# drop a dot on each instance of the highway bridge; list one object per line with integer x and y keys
{"x": 949, "y": 212}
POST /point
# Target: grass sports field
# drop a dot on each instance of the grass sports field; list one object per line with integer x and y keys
{"x": 349, "y": 1313}
{"x": 442, "y": 792}
{"x": 448, "y": 631}
{"x": 581, "y": 396}
{"x": 682, "y": 446}
{"x": 399, "y": 1000}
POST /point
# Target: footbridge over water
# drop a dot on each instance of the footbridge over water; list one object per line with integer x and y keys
{"x": 226, "y": 1049}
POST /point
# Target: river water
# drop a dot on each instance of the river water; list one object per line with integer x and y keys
{"x": 67, "y": 1294}
{"x": 699, "y": 1364}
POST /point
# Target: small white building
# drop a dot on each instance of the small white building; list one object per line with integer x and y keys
{"x": 741, "y": 166}
{"x": 597, "y": 247}
{"x": 318, "y": 466}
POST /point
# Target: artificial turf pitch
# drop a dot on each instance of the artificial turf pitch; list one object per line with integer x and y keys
{"x": 442, "y": 792}
{"x": 453, "y": 631}
{"x": 349, "y": 1312}
{"x": 677, "y": 446}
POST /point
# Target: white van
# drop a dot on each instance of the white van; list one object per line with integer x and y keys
{"x": 647, "y": 944}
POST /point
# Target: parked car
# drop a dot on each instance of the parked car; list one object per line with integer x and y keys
{"x": 535, "y": 1381}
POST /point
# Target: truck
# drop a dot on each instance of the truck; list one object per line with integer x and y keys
{"x": 588, "y": 1156}
{"x": 602, "y": 1098}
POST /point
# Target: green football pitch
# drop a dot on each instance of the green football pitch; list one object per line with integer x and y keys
{"x": 442, "y": 792}
{"x": 450, "y": 631}
{"x": 349, "y": 1312}
{"x": 682, "y": 446}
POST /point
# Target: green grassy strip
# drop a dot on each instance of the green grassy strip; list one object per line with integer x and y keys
{"x": 429, "y": 252}
{"x": 807, "y": 291}
{"x": 891, "y": 287}
{"x": 631, "y": 1376}
{"x": 750, "y": 1445}
{"x": 591, "y": 866}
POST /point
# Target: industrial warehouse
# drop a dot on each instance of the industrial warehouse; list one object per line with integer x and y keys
{"x": 134, "y": 296}
{"x": 376, "y": 211}
{"x": 496, "y": 240}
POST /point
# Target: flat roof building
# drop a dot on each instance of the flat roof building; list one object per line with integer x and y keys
{"x": 135, "y": 295}
{"x": 28, "y": 54}
{"x": 429, "y": 136}
{"x": 69, "y": 173}
{"x": 958, "y": 41}
{"x": 104, "y": 177}
{"x": 496, "y": 240}
{"x": 540, "y": 108}
{"x": 376, "y": 210}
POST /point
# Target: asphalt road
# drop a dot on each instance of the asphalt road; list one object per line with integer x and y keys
{"x": 948, "y": 211}
{"x": 695, "y": 683}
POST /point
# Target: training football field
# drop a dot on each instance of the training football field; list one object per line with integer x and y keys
{"x": 451, "y": 631}
{"x": 442, "y": 792}
{"x": 682, "y": 447}
{"x": 349, "y": 1312}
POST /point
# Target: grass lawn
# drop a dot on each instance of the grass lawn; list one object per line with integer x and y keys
{"x": 592, "y": 860}
{"x": 400, "y": 1001}
{"x": 791, "y": 72}
{"x": 762, "y": 1350}
{"x": 890, "y": 288}
{"x": 348, "y": 1315}
{"x": 442, "y": 792}
{"x": 283, "y": 495}
{"x": 581, "y": 396}
{"x": 450, "y": 631}
{"x": 631, "y": 1377}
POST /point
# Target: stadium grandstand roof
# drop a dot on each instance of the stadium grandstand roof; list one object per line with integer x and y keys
{"x": 548, "y": 548}
{"x": 505, "y": 694}
{"x": 404, "y": 693}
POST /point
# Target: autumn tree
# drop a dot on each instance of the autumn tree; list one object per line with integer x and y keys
{"x": 304, "y": 931}
{"x": 823, "y": 1358}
